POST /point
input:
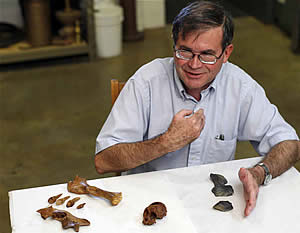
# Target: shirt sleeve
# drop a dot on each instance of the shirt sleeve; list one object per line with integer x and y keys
{"x": 127, "y": 119}
{"x": 261, "y": 122}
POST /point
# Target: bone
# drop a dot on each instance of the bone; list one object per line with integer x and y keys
{"x": 62, "y": 200}
{"x": 67, "y": 220}
{"x": 70, "y": 203}
{"x": 80, "y": 186}
{"x": 53, "y": 199}
{"x": 81, "y": 206}
{"x": 157, "y": 210}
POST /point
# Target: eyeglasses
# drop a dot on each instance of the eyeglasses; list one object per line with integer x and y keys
{"x": 205, "y": 58}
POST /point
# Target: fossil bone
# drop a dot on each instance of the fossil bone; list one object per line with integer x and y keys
{"x": 53, "y": 199}
{"x": 67, "y": 220}
{"x": 80, "y": 186}
{"x": 62, "y": 200}
{"x": 223, "y": 190}
{"x": 223, "y": 206}
{"x": 220, "y": 188}
{"x": 218, "y": 179}
{"x": 81, "y": 206}
{"x": 72, "y": 202}
{"x": 154, "y": 211}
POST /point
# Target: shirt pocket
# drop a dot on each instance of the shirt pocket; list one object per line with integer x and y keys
{"x": 221, "y": 150}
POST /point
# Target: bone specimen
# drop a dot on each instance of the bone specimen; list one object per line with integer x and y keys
{"x": 67, "y": 220}
{"x": 53, "y": 199}
{"x": 80, "y": 186}
{"x": 154, "y": 211}
{"x": 81, "y": 206}
{"x": 223, "y": 206}
{"x": 218, "y": 179}
{"x": 62, "y": 200}
{"x": 72, "y": 202}
{"x": 220, "y": 189}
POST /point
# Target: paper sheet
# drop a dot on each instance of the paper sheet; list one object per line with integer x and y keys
{"x": 139, "y": 191}
{"x": 277, "y": 208}
{"x": 187, "y": 194}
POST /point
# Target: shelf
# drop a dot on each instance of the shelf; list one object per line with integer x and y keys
{"x": 22, "y": 52}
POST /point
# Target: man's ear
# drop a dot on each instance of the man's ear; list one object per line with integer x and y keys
{"x": 227, "y": 52}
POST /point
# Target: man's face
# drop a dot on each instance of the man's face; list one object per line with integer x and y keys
{"x": 196, "y": 75}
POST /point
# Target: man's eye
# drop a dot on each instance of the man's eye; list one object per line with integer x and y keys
{"x": 186, "y": 53}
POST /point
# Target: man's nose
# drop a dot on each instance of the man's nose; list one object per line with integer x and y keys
{"x": 195, "y": 62}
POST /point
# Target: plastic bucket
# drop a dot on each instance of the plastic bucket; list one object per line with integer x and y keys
{"x": 108, "y": 29}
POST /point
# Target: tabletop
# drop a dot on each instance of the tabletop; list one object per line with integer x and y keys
{"x": 186, "y": 192}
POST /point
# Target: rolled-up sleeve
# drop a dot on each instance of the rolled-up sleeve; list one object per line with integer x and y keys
{"x": 127, "y": 119}
{"x": 261, "y": 122}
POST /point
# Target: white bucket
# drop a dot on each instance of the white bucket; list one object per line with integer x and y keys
{"x": 151, "y": 13}
{"x": 108, "y": 29}
{"x": 10, "y": 12}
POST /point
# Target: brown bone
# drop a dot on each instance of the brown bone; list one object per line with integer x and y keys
{"x": 72, "y": 202}
{"x": 81, "y": 206}
{"x": 67, "y": 220}
{"x": 157, "y": 210}
{"x": 53, "y": 199}
{"x": 62, "y": 200}
{"x": 80, "y": 186}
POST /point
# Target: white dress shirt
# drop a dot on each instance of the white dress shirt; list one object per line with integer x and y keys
{"x": 235, "y": 108}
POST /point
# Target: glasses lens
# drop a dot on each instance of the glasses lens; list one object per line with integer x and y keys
{"x": 187, "y": 55}
{"x": 208, "y": 58}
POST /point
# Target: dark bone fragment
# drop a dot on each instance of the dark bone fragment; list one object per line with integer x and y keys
{"x": 222, "y": 190}
{"x": 223, "y": 206}
{"x": 218, "y": 179}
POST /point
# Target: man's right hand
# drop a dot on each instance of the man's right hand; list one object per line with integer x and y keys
{"x": 184, "y": 128}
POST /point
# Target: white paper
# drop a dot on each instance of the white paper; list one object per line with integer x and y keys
{"x": 138, "y": 191}
{"x": 186, "y": 192}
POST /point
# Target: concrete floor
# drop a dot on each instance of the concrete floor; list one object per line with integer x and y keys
{"x": 51, "y": 112}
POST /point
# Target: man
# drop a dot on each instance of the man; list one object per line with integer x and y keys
{"x": 191, "y": 109}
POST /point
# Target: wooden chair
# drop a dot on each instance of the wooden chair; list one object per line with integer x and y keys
{"x": 116, "y": 88}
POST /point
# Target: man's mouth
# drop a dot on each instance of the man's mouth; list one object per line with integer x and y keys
{"x": 194, "y": 74}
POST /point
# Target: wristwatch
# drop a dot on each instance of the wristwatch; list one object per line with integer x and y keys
{"x": 268, "y": 175}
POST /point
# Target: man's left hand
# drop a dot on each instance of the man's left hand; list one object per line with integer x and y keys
{"x": 250, "y": 189}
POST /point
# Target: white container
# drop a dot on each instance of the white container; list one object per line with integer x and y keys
{"x": 139, "y": 15}
{"x": 153, "y": 13}
{"x": 108, "y": 29}
{"x": 10, "y": 12}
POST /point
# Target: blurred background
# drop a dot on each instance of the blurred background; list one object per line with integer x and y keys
{"x": 57, "y": 58}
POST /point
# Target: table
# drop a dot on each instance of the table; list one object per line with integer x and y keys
{"x": 187, "y": 195}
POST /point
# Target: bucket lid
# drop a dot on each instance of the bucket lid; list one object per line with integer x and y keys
{"x": 106, "y": 8}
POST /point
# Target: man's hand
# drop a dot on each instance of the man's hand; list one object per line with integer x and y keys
{"x": 250, "y": 189}
{"x": 184, "y": 128}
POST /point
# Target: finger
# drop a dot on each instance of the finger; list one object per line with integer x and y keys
{"x": 199, "y": 115}
{"x": 202, "y": 122}
{"x": 184, "y": 112}
{"x": 251, "y": 203}
{"x": 250, "y": 192}
{"x": 199, "y": 112}
{"x": 243, "y": 174}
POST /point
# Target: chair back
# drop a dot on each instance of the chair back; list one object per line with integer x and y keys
{"x": 116, "y": 88}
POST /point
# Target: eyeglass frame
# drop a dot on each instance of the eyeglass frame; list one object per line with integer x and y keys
{"x": 199, "y": 55}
